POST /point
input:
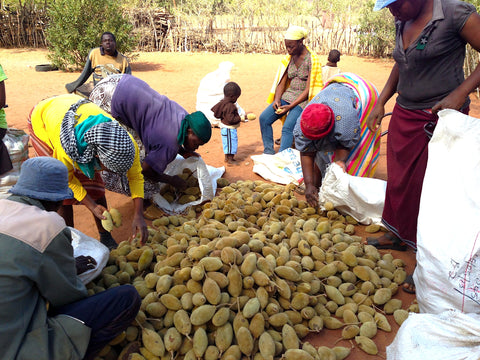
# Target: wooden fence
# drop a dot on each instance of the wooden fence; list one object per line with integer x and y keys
{"x": 156, "y": 30}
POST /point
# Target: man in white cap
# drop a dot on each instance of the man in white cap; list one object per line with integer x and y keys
{"x": 45, "y": 313}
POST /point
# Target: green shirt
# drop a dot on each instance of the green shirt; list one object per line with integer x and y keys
{"x": 3, "y": 118}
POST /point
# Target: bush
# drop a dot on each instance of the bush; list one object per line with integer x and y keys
{"x": 376, "y": 31}
{"x": 75, "y": 27}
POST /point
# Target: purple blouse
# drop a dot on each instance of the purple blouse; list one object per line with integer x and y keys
{"x": 154, "y": 117}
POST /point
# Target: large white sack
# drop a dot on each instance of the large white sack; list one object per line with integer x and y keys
{"x": 450, "y": 335}
{"x": 447, "y": 275}
{"x": 360, "y": 197}
{"x": 207, "y": 181}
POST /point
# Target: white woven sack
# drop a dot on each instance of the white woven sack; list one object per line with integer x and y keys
{"x": 447, "y": 275}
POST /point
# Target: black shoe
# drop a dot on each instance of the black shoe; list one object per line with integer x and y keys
{"x": 107, "y": 240}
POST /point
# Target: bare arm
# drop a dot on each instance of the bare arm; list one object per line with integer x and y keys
{"x": 375, "y": 118}
{"x": 457, "y": 97}
{"x": 310, "y": 178}
{"x": 139, "y": 226}
{"x": 341, "y": 156}
{"x": 3, "y": 96}
{"x": 301, "y": 98}
{"x": 281, "y": 87}
{"x": 96, "y": 209}
{"x": 152, "y": 175}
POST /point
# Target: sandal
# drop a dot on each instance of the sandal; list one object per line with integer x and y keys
{"x": 395, "y": 243}
{"x": 410, "y": 288}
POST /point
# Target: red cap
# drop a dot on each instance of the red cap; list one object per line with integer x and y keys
{"x": 317, "y": 121}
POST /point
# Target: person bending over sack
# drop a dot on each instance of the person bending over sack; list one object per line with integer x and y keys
{"x": 333, "y": 128}
{"x": 160, "y": 126}
{"x": 88, "y": 140}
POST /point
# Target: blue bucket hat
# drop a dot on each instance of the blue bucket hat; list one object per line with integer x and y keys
{"x": 380, "y": 4}
{"x": 43, "y": 178}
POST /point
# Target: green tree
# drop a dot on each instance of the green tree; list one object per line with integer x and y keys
{"x": 376, "y": 31}
{"x": 75, "y": 27}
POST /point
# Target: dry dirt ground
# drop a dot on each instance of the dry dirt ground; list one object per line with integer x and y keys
{"x": 178, "y": 76}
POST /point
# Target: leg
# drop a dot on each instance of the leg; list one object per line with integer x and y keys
{"x": 267, "y": 118}
{"x": 66, "y": 212}
{"x": 288, "y": 126}
{"x": 105, "y": 237}
{"x": 233, "y": 141}
{"x": 226, "y": 143}
{"x": 409, "y": 286}
{"x": 107, "y": 314}
{"x": 102, "y": 201}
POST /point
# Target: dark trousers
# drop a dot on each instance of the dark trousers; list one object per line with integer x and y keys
{"x": 5, "y": 162}
{"x": 107, "y": 313}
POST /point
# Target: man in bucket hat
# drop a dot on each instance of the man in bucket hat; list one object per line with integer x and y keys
{"x": 45, "y": 313}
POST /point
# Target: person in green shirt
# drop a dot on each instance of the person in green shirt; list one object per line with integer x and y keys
{"x": 5, "y": 161}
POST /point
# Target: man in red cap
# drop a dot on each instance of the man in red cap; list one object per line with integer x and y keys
{"x": 332, "y": 128}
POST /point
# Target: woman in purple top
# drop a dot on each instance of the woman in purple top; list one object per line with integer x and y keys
{"x": 162, "y": 127}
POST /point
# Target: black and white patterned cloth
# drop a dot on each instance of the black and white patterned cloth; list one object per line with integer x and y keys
{"x": 67, "y": 135}
{"x": 113, "y": 145}
{"x": 107, "y": 140}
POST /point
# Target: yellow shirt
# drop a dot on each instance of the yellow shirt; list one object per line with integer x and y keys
{"x": 111, "y": 64}
{"x": 47, "y": 119}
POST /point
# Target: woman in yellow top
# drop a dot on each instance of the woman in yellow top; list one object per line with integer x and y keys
{"x": 86, "y": 139}
{"x": 298, "y": 80}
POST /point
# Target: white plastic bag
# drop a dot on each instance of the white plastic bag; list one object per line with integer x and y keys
{"x": 207, "y": 181}
{"x": 283, "y": 167}
{"x": 450, "y": 335}
{"x": 87, "y": 246}
{"x": 360, "y": 197}
{"x": 447, "y": 275}
{"x": 16, "y": 141}
{"x": 210, "y": 91}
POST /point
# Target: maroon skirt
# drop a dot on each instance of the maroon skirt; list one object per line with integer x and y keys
{"x": 409, "y": 133}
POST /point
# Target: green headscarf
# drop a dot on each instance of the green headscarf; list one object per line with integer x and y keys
{"x": 199, "y": 124}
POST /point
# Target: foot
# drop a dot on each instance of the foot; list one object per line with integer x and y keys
{"x": 387, "y": 241}
{"x": 107, "y": 240}
{"x": 409, "y": 286}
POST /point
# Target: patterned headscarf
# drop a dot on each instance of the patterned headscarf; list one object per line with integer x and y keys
{"x": 96, "y": 136}
{"x": 200, "y": 125}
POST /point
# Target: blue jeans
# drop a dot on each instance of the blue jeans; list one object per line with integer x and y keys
{"x": 107, "y": 314}
{"x": 268, "y": 117}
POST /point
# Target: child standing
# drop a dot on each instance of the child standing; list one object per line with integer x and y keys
{"x": 5, "y": 162}
{"x": 331, "y": 69}
{"x": 227, "y": 112}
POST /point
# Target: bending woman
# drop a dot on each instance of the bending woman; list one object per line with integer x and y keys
{"x": 333, "y": 128}
{"x": 87, "y": 140}
{"x": 298, "y": 80}
{"x": 161, "y": 127}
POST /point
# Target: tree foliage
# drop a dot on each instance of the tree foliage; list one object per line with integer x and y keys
{"x": 76, "y": 26}
{"x": 376, "y": 31}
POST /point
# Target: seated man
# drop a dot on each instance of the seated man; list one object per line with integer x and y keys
{"x": 44, "y": 309}
{"x": 102, "y": 61}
